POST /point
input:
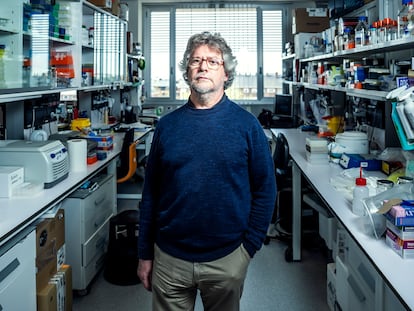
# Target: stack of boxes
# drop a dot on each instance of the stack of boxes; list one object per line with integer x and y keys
{"x": 60, "y": 21}
{"x": 317, "y": 150}
{"x": 400, "y": 229}
{"x": 53, "y": 277}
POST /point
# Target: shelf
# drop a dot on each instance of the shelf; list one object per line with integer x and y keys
{"x": 287, "y": 57}
{"x": 391, "y": 46}
{"x": 363, "y": 93}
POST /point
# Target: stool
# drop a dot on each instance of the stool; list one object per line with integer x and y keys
{"x": 122, "y": 257}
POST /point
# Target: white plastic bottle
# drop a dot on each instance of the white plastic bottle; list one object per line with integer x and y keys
{"x": 402, "y": 22}
{"x": 308, "y": 50}
{"x": 361, "y": 192}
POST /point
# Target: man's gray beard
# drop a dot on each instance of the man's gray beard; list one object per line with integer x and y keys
{"x": 201, "y": 90}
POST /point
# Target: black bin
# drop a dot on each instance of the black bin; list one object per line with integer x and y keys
{"x": 122, "y": 257}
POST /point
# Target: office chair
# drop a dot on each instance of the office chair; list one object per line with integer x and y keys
{"x": 128, "y": 164}
{"x": 281, "y": 226}
{"x": 282, "y": 217}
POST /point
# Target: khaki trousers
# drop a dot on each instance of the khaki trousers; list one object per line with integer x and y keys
{"x": 175, "y": 282}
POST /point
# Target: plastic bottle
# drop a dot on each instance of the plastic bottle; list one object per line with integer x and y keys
{"x": 308, "y": 50}
{"x": 349, "y": 41}
{"x": 361, "y": 32}
{"x": 361, "y": 192}
{"x": 2, "y": 65}
{"x": 402, "y": 21}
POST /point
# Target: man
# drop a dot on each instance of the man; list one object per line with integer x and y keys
{"x": 209, "y": 190}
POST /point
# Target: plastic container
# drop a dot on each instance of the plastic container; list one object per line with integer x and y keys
{"x": 349, "y": 39}
{"x": 402, "y": 21}
{"x": 361, "y": 192}
{"x": 308, "y": 50}
{"x": 361, "y": 32}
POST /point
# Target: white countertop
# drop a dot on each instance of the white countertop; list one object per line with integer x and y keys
{"x": 397, "y": 271}
{"x": 16, "y": 212}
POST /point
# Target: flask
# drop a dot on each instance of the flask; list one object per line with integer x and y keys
{"x": 361, "y": 32}
{"x": 361, "y": 192}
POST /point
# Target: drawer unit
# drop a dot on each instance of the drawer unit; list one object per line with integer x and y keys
{"x": 363, "y": 279}
{"x": 18, "y": 275}
{"x": 87, "y": 214}
{"x": 93, "y": 257}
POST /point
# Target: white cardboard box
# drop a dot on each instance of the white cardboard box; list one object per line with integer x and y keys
{"x": 10, "y": 177}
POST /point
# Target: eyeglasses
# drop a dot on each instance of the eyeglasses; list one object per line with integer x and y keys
{"x": 212, "y": 63}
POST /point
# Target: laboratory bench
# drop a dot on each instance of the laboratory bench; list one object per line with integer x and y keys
{"x": 370, "y": 275}
{"x": 21, "y": 214}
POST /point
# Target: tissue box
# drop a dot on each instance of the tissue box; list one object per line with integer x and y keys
{"x": 10, "y": 177}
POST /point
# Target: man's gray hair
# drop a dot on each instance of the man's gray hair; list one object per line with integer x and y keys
{"x": 213, "y": 41}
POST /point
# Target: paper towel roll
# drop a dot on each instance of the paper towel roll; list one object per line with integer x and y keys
{"x": 77, "y": 154}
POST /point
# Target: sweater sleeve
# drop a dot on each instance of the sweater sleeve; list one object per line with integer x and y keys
{"x": 263, "y": 191}
{"x": 146, "y": 237}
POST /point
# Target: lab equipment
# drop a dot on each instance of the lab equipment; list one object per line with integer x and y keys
{"x": 43, "y": 161}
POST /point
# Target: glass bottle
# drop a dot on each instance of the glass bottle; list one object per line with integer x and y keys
{"x": 361, "y": 31}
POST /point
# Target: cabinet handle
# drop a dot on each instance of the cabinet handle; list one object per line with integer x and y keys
{"x": 356, "y": 289}
{"x": 367, "y": 277}
{"x": 100, "y": 200}
{"x": 100, "y": 222}
{"x": 100, "y": 243}
{"x": 9, "y": 269}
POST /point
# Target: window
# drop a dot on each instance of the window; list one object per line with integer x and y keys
{"x": 254, "y": 33}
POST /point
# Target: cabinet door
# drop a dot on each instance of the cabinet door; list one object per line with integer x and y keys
{"x": 103, "y": 47}
{"x": 18, "y": 276}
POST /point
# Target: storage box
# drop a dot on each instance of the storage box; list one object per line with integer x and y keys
{"x": 404, "y": 248}
{"x": 50, "y": 247}
{"x": 107, "y": 4}
{"x": 66, "y": 271}
{"x": 46, "y": 298}
{"x": 115, "y": 7}
{"x": 310, "y": 20}
{"x": 10, "y": 177}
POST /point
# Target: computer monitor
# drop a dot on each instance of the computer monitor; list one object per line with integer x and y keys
{"x": 283, "y": 105}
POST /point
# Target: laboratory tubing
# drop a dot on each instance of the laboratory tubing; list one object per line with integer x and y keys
{"x": 360, "y": 192}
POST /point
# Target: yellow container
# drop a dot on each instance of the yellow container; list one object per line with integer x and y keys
{"x": 80, "y": 124}
{"x": 335, "y": 124}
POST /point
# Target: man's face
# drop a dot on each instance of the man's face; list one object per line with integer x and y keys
{"x": 206, "y": 71}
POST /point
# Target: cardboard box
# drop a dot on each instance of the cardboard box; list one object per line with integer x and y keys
{"x": 115, "y": 7}
{"x": 46, "y": 298}
{"x": 310, "y": 20}
{"x": 10, "y": 177}
{"x": 404, "y": 248}
{"x": 107, "y": 4}
{"x": 50, "y": 246}
{"x": 50, "y": 233}
{"x": 66, "y": 271}
{"x": 44, "y": 273}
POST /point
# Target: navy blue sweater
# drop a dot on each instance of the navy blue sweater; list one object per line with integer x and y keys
{"x": 209, "y": 184}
